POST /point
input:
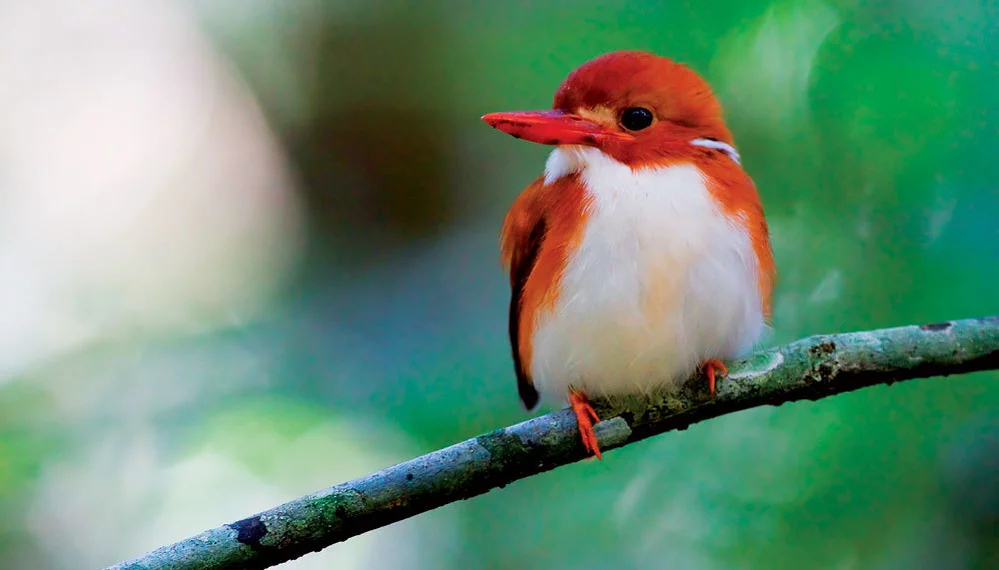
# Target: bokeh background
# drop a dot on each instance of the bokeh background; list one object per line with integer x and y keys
{"x": 249, "y": 249}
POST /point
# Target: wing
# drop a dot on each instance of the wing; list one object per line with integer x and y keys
{"x": 523, "y": 233}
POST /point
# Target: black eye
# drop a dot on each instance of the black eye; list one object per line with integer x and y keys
{"x": 636, "y": 118}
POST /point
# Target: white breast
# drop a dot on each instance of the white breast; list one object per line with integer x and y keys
{"x": 662, "y": 281}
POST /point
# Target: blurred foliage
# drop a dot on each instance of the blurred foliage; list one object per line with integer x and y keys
{"x": 870, "y": 129}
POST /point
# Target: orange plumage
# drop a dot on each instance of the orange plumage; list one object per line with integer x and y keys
{"x": 642, "y": 253}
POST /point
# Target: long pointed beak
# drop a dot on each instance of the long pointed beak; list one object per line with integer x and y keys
{"x": 553, "y": 128}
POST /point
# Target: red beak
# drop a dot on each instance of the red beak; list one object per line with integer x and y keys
{"x": 553, "y": 128}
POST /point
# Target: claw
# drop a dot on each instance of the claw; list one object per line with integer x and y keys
{"x": 585, "y": 417}
{"x": 711, "y": 367}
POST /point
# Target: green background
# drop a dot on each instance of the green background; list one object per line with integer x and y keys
{"x": 870, "y": 130}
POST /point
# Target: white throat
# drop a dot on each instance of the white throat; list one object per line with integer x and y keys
{"x": 566, "y": 160}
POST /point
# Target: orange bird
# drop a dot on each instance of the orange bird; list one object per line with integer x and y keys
{"x": 642, "y": 252}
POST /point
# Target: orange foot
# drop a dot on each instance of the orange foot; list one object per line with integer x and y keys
{"x": 585, "y": 416}
{"x": 711, "y": 367}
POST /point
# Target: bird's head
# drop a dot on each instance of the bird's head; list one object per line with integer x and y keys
{"x": 637, "y": 107}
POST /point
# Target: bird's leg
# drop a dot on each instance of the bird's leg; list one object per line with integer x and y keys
{"x": 711, "y": 367}
{"x": 585, "y": 417}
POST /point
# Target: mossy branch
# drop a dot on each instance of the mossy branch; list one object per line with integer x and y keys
{"x": 811, "y": 368}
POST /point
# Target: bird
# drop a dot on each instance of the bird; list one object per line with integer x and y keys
{"x": 641, "y": 254}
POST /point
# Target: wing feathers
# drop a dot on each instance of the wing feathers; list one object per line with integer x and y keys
{"x": 524, "y": 232}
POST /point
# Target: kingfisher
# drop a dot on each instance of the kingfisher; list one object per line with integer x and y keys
{"x": 641, "y": 255}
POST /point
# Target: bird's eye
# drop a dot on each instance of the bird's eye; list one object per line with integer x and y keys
{"x": 636, "y": 118}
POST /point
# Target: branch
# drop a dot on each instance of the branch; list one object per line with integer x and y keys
{"x": 809, "y": 369}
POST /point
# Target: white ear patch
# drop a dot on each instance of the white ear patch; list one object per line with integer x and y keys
{"x": 718, "y": 145}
